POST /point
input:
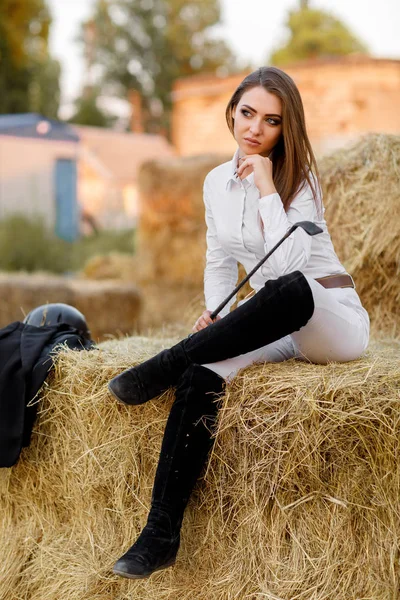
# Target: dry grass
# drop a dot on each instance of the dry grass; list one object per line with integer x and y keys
{"x": 300, "y": 500}
{"x": 362, "y": 194}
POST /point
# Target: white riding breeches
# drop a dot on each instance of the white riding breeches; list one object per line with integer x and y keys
{"x": 337, "y": 331}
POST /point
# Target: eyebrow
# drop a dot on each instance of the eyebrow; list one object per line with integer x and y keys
{"x": 266, "y": 115}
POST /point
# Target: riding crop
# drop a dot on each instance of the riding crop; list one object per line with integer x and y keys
{"x": 309, "y": 227}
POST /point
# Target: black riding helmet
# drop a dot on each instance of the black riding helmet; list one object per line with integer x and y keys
{"x": 52, "y": 314}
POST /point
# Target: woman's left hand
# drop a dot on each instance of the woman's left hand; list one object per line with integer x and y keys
{"x": 262, "y": 168}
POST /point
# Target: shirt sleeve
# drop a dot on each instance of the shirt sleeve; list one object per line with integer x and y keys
{"x": 221, "y": 271}
{"x": 295, "y": 251}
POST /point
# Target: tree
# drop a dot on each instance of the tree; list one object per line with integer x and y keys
{"x": 44, "y": 88}
{"x": 315, "y": 33}
{"x": 88, "y": 111}
{"x": 145, "y": 45}
{"x": 29, "y": 77}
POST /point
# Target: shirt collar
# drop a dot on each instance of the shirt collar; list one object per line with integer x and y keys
{"x": 233, "y": 178}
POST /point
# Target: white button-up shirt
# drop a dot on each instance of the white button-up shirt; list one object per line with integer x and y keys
{"x": 242, "y": 227}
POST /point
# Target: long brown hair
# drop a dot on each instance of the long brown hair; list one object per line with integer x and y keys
{"x": 293, "y": 160}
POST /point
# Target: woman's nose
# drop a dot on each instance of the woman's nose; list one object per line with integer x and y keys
{"x": 255, "y": 127}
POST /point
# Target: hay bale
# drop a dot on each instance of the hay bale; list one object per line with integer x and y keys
{"x": 300, "y": 499}
{"x": 20, "y": 292}
{"x": 114, "y": 265}
{"x": 110, "y": 308}
{"x": 361, "y": 187}
{"x": 113, "y": 308}
{"x": 164, "y": 307}
{"x": 171, "y": 229}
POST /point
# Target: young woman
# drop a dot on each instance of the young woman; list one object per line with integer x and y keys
{"x": 304, "y": 306}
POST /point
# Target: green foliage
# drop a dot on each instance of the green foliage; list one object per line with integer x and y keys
{"x": 315, "y": 33}
{"x": 26, "y": 245}
{"x": 29, "y": 78}
{"x": 88, "y": 111}
{"x": 145, "y": 45}
{"x": 103, "y": 242}
{"x": 44, "y": 89}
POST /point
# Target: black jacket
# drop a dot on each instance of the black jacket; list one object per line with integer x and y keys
{"x": 26, "y": 357}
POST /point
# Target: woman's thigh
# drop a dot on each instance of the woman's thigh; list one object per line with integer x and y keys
{"x": 338, "y": 329}
{"x": 278, "y": 351}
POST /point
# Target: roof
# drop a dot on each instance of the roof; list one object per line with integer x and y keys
{"x": 120, "y": 154}
{"x": 311, "y": 63}
{"x": 33, "y": 125}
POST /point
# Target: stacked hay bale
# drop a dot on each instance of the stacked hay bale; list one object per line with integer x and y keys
{"x": 361, "y": 186}
{"x": 110, "y": 308}
{"x": 171, "y": 232}
{"x": 165, "y": 306}
{"x": 300, "y": 499}
{"x": 170, "y": 243}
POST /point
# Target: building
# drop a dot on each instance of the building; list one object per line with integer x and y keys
{"x": 109, "y": 163}
{"x": 343, "y": 98}
{"x": 38, "y": 171}
{"x": 74, "y": 178}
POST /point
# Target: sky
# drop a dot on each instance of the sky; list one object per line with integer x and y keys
{"x": 253, "y": 28}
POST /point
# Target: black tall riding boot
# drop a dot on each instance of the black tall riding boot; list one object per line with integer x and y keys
{"x": 186, "y": 443}
{"x": 281, "y": 307}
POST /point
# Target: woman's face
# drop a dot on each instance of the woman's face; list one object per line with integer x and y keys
{"x": 257, "y": 121}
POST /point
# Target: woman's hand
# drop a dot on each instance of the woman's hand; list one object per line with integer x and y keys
{"x": 204, "y": 321}
{"x": 262, "y": 168}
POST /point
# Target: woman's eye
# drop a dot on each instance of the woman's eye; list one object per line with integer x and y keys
{"x": 272, "y": 121}
{"x": 245, "y": 112}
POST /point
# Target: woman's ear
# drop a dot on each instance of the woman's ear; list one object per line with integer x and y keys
{"x": 233, "y": 112}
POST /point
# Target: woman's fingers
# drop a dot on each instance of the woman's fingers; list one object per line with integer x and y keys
{"x": 242, "y": 166}
{"x": 204, "y": 321}
{"x": 252, "y": 161}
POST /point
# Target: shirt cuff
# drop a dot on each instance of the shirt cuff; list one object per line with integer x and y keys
{"x": 272, "y": 212}
{"x": 214, "y": 301}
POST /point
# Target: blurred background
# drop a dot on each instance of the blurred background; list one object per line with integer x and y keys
{"x": 112, "y": 113}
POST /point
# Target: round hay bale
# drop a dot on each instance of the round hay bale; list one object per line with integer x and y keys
{"x": 300, "y": 498}
{"x": 361, "y": 187}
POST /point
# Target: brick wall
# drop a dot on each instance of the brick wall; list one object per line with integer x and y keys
{"x": 343, "y": 98}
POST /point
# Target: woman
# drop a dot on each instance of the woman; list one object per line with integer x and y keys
{"x": 305, "y": 305}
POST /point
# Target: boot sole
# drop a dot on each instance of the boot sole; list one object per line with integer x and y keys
{"x": 134, "y": 576}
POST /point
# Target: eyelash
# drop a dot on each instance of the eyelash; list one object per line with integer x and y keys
{"x": 246, "y": 113}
